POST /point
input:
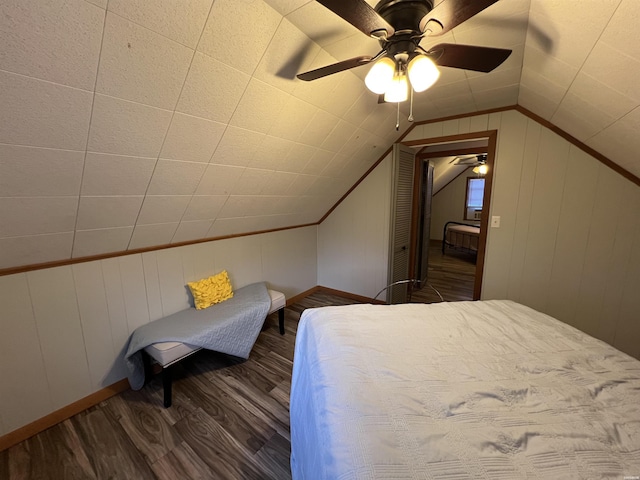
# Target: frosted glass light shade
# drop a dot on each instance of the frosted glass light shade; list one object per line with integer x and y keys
{"x": 380, "y": 76}
{"x": 423, "y": 73}
{"x": 398, "y": 91}
{"x": 481, "y": 169}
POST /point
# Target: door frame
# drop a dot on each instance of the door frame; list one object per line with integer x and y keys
{"x": 492, "y": 139}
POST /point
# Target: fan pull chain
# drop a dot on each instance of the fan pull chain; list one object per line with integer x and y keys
{"x": 398, "y": 118}
{"x": 411, "y": 106}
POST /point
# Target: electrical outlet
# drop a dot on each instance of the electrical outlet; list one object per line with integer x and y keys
{"x": 495, "y": 222}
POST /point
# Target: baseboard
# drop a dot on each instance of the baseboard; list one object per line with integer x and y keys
{"x": 332, "y": 291}
{"x": 300, "y": 296}
{"x": 40, "y": 425}
{"x": 352, "y": 296}
{"x": 48, "y": 421}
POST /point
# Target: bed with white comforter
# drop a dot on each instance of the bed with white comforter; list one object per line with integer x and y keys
{"x": 463, "y": 390}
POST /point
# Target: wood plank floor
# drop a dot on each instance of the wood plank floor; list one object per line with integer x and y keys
{"x": 229, "y": 419}
{"x": 452, "y": 275}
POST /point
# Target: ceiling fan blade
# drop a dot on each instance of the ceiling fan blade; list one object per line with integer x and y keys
{"x": 451, "y": 13}
{"x": 463, "y": 159}
{"x": 334, "y": 68}
{"x": 293, "y": 65}
{"x": 538, "y": 32}
{"x": 468, "y": 57}
{"x": 361, "y": 15}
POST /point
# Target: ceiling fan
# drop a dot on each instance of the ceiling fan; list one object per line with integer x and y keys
{"x": 470, "y": 160}
{"x": 399, "y": 26}
{"x": 478, "y": 162}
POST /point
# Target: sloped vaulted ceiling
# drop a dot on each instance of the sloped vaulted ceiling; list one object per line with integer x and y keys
{"x": 126, "y": 124}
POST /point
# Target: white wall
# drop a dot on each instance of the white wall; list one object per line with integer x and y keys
{"x": 353, "y": 241}
{"x": 448, "y": 205}
{"x": 64, "y": 329}
{"x": 569, "y": 240}
{"x": 568, "y": 245}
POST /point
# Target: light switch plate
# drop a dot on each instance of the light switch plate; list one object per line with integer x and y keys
{"x": 495, "y": 222}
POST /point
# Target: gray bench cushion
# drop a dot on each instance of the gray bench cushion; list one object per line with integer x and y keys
{"x": 167, "y": 353}
{"x": 229, "y": 327}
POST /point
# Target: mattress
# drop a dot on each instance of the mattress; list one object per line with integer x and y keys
{"x": 491, "y": 390}
{"x": 466, "y": 229}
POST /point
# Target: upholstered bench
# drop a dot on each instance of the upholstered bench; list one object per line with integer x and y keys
{"x": 169, "y": 353}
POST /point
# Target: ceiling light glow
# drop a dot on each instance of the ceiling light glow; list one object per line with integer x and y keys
{"x": 423, "y": 73}
{"x": 481, "y": 169}
{"x": 398, "y": 91}
{"x": 380, "y": 76}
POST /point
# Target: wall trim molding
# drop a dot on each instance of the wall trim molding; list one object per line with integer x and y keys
{"x": 351, "y": 296}
{"x": 574, "y": 141}
{"x": 492, "y": 140}
{"x": 62, "y": 414}
{"x": 585, "y": 148}
{"x": 122, "y": 253}
{"x": 300, "y": 296}
{"x": 27, "y": 431}
{"x": 598, "y": 156}
{"x": 462, "y": 115}
{"x": 358, "y": 182}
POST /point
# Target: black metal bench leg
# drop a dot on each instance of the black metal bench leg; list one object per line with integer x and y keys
{"x": 166, "y": 384}
{"x": 146, "y": 362}
{"x": 281, "y": 320}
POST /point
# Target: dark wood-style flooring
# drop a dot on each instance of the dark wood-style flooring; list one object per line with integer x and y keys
{"x": 229, "y": 419}
{"x": 452, "y": 275}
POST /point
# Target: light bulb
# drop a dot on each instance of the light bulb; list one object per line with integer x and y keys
{"x": 398, "y": 91}
{"x": 481, "y": 169}
{"x": 380, "y": 75}
{"x": 423, "y": 73}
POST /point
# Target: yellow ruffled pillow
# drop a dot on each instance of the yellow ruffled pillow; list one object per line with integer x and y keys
{"x": 212, "y": 290}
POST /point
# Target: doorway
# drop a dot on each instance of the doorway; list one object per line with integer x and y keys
{"x": 459, "y": 275}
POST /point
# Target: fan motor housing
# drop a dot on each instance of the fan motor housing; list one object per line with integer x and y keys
{"x": 404, "y": 15}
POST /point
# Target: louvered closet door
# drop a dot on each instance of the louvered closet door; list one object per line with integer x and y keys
{"x": 401, "y": 204}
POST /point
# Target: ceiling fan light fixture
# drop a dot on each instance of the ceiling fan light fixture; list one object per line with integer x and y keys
{"x": 481, "y": 169}
{"x": 398, "y": 91}
{"x": 380, "y": 76}
{"x": 423, "y": 73}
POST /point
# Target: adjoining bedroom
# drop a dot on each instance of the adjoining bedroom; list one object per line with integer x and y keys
{"x": 450, "y": 190}
{"x": 319, "y": 239}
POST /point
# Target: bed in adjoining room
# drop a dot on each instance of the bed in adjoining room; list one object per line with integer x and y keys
{"x": 461, "y": 237}
{"x": 460, "y": 390}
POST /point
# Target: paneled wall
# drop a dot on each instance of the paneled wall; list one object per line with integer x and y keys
{"x": 353, "y": 241}
{"x": 64, "y": 329}
{"x": 569, "y": 239}
{"x": 568, "y": 245}
{"x": 448, "y": 205}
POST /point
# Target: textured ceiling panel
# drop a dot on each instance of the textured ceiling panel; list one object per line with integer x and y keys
{"x": 54, "y": 41}
{"x": 133, "y": 123}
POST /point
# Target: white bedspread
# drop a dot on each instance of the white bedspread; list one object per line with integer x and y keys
{"x": 463, "y": 390}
